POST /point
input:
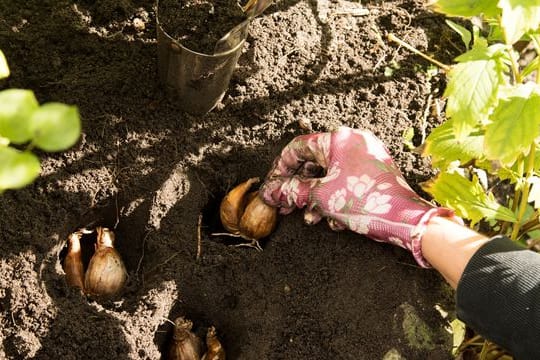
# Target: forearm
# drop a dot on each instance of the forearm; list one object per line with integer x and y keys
{"x": 448, "y": 247}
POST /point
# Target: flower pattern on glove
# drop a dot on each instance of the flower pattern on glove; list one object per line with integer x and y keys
{"x": 359, "y": 185}
{"x": 359, "y": 224}
{"x": 292, "y": 190}
{"x": 337, "y": 200}
{"x": 378, "y": 203}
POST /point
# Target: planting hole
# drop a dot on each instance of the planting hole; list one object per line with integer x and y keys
{"x": 105, "y": 216}
{"x": 213, "y": 229}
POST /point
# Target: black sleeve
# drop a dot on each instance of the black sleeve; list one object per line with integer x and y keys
{"x": 498, "y": 296}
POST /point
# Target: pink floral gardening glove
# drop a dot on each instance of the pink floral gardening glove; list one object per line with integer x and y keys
{"x": 362, "y": 190}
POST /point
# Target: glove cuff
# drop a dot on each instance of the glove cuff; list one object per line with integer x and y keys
{"x": 419, "y": 230}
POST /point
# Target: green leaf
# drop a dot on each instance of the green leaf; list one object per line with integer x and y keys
{"x": 465, "y": 34}
{"x": 17, "y": 169}
{"x": 4, "y": 68}
{"x": 471, "y": 92}
{"x": 515, "y": 123}
{"x": 407, "y": 136}
{"x": 466, "y": 8}
{"x": 458, "y": 335}
{"x": 467, "y": 198}
{"x": 495, "y": 34}
{"x": 506, "y": 173}
{"x": 537, "y": 160}
{"x": 531, "y": 67}
{"x": 472, "y": 89}
{"x": 534, "y": 193}
{"x": 55, "y": 126}
{"x": 519, "y": 17}
{"x": 478, "y": 40}
{"x": 514, "y": 173}
{"x": 481, "y": 51}
{"x": 444, "y": 148}
{"x": 16, "y": 108}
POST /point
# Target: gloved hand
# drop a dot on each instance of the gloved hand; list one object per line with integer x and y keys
{"x": 348, "y": 177}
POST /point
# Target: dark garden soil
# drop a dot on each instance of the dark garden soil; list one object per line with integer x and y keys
{"x": 150, "y": 171}
{"x": 199, "y": 24}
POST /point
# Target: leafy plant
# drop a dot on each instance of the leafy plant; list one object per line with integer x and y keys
{"x": 25, "y": 125}
{"x": 490, "y": 139}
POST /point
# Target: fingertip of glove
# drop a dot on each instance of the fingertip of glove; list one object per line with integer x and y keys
{"x": 311, "y": 217}
{"x": 336, "y": 225}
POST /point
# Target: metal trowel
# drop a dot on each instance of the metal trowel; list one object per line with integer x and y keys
{"x": 252, "y": 9}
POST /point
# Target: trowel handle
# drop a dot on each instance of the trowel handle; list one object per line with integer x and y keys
{"x": 255, "y": 8}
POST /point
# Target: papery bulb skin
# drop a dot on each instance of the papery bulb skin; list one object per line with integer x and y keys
{"x": 106, "y": 274}
{"x": 244, "y": 214}
{"x": 73, "y": 264}
{"x": 233, "y": 204}
{"x": 258, "y": 220}
{"x": 215, "y": 350}
{"x": 185, "y": 344}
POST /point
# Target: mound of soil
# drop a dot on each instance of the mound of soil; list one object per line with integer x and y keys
{"x": 150, "y": 172}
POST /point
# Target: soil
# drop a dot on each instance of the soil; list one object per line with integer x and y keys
{"x": 198, "y": 25}
{"x": 151, "y": 172}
